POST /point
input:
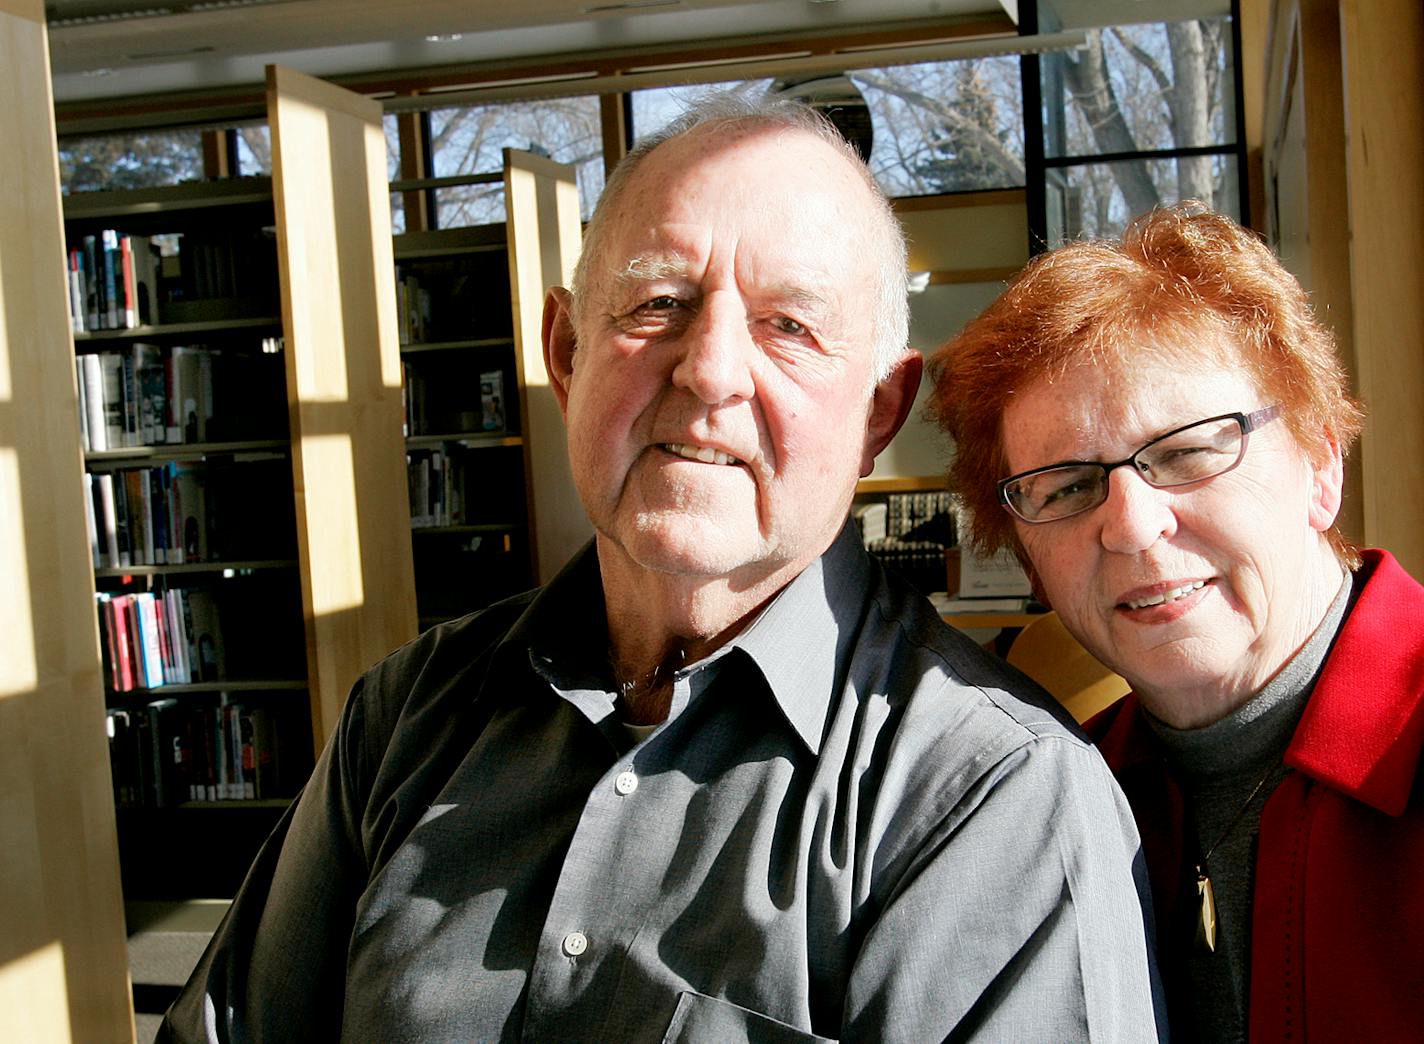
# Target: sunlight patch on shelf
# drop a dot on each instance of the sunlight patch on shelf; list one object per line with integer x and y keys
{"x": 330, "y": 478}
{"x": 18, "y": 673}
{"x": 34, "y": 995}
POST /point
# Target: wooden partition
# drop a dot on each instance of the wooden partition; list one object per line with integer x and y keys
{"x": 544, "y": 232}
{"x": 1304, "y": 179}
{"x": 343, "y": 382}
{"x": 63, "y": 967}
{"x": 1382, "y": 43}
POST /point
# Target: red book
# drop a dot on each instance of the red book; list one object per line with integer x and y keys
{"x": 130, "y": 299}
{"x": 123, "y": 645}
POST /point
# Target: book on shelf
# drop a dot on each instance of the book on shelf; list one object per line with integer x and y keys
{"x": 91, "y": 519}
{"x": 148, "y": 639}
{"x": 120, "y": 281}
{"x": 436, "y": 481}
{"x": 149, "y": 396}
{"x": 492, "y": 417}
{"x": 91, "y": 384}
{"x": 911, "y": 533}
{"x": 412, "y": 307}
{"x": 205, "y": 637}
{"x": 106, "y": 522}
{"x": 167, "y": 751}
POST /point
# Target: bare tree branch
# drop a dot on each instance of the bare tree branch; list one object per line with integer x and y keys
{"x": 1091, "y": 88}
{"x": 983, "y": 137}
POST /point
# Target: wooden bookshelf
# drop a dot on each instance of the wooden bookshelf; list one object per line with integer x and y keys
{"x": 901, "y": 484}
{"x": 343, "y": 382}
{"x": 337, "y": 393}
{"x": 465, "y": 313}
{"x": 544, "y": 238}
{"x": 63, "y": 973}
{"x": 209, "y": 208}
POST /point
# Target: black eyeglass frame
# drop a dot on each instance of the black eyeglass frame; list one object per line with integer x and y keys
{"x": 1248, "y": 422}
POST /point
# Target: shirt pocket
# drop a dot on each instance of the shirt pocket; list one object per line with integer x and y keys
{"x": 700, "y": 1019}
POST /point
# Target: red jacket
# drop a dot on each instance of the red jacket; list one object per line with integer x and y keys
{"x": 1337, "y": 931}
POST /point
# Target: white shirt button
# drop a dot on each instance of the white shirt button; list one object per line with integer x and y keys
{"x": 626, "y": 783}
{"x": 575, "y": 943}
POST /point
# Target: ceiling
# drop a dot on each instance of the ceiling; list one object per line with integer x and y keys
{"x": 104, "y": 49}
{"x": 110, "y": 48}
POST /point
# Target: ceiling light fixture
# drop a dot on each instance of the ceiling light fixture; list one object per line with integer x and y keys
{"x": 629, "y": 5}
{"x": 117, "y": 12}
{"x": 177, "y": 52}
{"x": 109, "y": 16}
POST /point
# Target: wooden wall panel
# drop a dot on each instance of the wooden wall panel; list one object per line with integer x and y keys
{"x": 1305, "y": 185}
{"x": 63, "y": 966}
{"x": 544, "y": 232}
{"x": 1383, "y": 66}
{"x": 343, "y": 381}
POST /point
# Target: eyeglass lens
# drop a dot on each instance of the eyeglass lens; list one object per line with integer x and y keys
{"x": 1199, "y": 452}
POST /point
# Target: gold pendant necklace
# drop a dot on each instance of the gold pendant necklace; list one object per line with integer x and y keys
{"x": 1206, "y": 922}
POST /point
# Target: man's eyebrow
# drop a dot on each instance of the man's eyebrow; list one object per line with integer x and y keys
{"x": 641, "y": 269}
{"x": 801, "y": 297}
{"x": 645, "y": 268}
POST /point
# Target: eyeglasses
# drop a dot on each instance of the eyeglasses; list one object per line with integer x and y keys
{"x": 1185, "y": 455}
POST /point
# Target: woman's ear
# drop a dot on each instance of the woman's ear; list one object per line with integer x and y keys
{"x": 560, "y": 343}
{"x": 1327, "y": 479}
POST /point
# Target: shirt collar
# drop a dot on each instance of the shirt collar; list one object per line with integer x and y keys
{"x": 801, "y": 642}
{"x": 563, "y": 632}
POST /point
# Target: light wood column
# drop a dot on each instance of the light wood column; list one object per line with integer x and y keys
{"x": 1306, "y": 185}
{"x": 1383, "y": 73}
{"x": 1253, "y": 71}
{"x": 343, "y": 381}
{"x": 63, "y": 966}
{"x": 543, "y": 231}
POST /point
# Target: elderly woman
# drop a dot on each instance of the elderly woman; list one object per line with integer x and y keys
{"x": 1157, "y": 428}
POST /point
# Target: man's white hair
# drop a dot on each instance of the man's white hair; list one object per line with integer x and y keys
{"x": 889, "y": 299}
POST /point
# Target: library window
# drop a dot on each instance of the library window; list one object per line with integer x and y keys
{"x": 391, "y": 127}
{"x": 470, "y": 140}
{"x": 925, "y": 129}
{"x": 1143, "y": 115}
{"x": 943, "y": 127}
{"x": 656, "y": 107}
{"x": 254, "y": 150}
{"x": 128, "y": 161}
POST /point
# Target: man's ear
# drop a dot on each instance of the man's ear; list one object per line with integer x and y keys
{"x": 1327, "y": 479}
{"x": 890, "y": 405}
{"x": 560, "y": 343}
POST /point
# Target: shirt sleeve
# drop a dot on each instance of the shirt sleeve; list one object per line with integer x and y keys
{"x": 1024, "y": 916}
{"x": 275, "y": 969}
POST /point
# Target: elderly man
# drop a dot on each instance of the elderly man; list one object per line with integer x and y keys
{"x": 721, "y": 779}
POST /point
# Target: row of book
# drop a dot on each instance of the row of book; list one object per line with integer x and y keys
{"x": 148, "y": 516}
{"x": 222, "y": 509}
{"x": 167, "y": 751}
{"x": 144, "y": 396}
{"x": 925, "y": 512}
{"x": 920, "y": 562}
{"x": 113, "y": 282}
{"x": 119, "y": 281}
{"x": 150, "y": 640}
{"x": 441, "y": 403}
{"x": 148, "y": 395}
{"x": 436, "y": 482}
{"x": 412, "y": 307}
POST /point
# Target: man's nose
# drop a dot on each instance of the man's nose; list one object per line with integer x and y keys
{"x": 718, "y": 352}
{"x": 1135, "y": 515}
